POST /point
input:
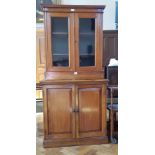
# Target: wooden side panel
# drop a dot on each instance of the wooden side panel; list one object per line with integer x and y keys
{"x": 90, "y": 120}
{"x": 40, "y": 48}
{"x": 40, "y": 55}
{"x": 59, "y": 112}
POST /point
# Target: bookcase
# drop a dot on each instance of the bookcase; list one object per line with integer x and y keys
{"x": 74, "y": 88}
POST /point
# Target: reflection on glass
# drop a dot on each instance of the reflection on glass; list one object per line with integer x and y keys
{"x": 59, "y": 29}
{"x": 60, "y": 60}
{"x": 87, "y": 41}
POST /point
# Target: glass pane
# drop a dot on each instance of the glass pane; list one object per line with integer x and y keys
{"x": 87, "y": 41}
{"x": 60, "y": 60}
{"x": 59, "y": 29}
{"x": 59, "y": 24}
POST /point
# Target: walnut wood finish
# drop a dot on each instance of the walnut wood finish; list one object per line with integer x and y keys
{"x": 93, "y": 72}
{"x": 98, "y": 49}
{"x": 90, "y": 105}
{"x": 74, "y": 112}
{"x": 50, "y": 67}
{"x": 40, "y": 55}
{"x": 74, "y": 96}
{"x": 54, "y": 6}
{"x": 49, "y": 143}
{"x": 76, "y": 81}
{"x": 60, "y": 116}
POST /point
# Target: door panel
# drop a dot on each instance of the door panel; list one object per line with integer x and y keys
{"x": 87, "y": 38}
{"x": 86, "y": 42}
{"x": 90, "y": 111}
{"x": 60, "y": 116}
{"x": 60, "y": 32}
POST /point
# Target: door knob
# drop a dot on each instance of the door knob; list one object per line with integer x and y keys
{"x": 76, "y": 110}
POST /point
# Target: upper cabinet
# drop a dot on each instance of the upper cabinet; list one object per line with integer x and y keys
{"x": 73, "y": 38}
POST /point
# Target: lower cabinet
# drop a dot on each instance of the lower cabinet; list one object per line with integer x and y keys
{"x": 74, "y": 114}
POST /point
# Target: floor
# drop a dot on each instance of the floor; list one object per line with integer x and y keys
{"x": 104, "y": 149}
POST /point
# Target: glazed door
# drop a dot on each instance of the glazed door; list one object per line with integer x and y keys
{"x": 58, "y": 116}
{"x": 91, "y": 115}
{"x": 60, "y": 34}
{"x": 88, "y": 35}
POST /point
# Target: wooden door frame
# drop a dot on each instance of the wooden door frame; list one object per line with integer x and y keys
{"x": 49, "y": 65}
{"x": 45, "y": 108}
{"x": 103, "y": 131}
{"x": 98, "y": 39}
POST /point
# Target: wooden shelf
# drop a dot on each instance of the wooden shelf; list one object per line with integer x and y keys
{"x": 60, "y": 33}
{"x": 93, "y": 54}
{"x": 87, "y": 33}
{"x": 60, "y": 54}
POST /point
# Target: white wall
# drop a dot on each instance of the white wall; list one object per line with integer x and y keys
{"x": 109, "y": 12}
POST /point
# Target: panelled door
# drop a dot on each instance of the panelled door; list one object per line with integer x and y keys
{"x": 87, "y": 41}
{"x": 90, "y": 117}
{"x": 58, "y": 115}
{"x": 60, "y": 41}
{"x": 74, "y": 111}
